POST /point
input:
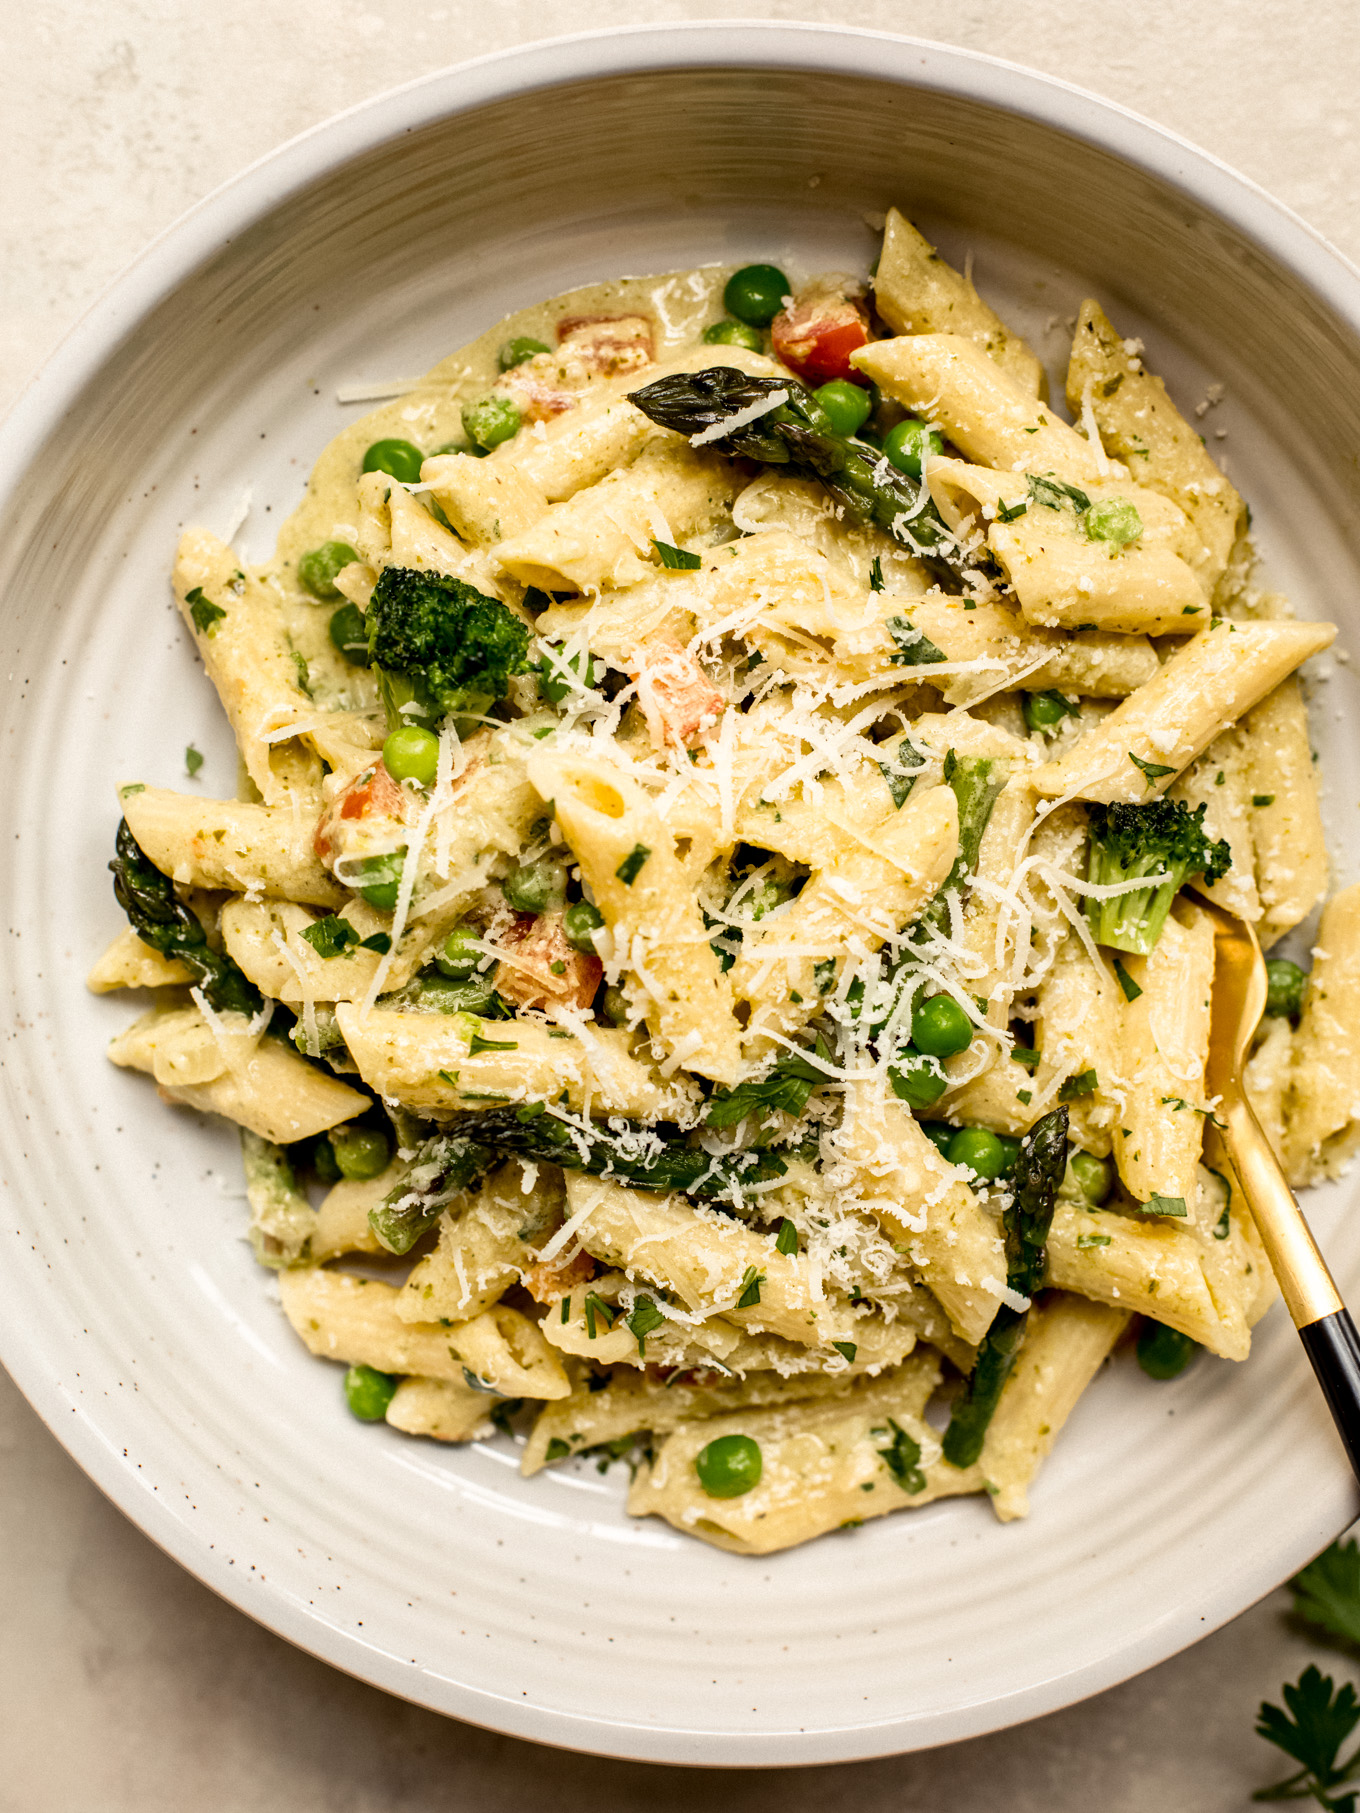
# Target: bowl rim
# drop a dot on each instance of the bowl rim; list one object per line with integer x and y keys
{"x": 207, "y": 227}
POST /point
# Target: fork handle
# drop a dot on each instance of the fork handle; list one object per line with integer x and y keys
{"x": 1333, "y": 1347}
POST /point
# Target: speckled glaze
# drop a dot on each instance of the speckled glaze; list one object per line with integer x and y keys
{"x": 130, "y": 1310}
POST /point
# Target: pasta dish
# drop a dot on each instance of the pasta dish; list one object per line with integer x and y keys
{"x": 707, "y": 954}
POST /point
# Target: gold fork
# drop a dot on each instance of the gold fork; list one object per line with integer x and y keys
{"x": 1312, "y": 1299}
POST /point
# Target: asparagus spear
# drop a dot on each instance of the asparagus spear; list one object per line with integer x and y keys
{"x": 644, "y": 1158}
{"x": 161, "y": 919}
{"x": 798, "y": 434}
{"x": 1038, "y": 1172}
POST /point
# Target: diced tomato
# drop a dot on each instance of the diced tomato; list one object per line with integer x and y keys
{"x": 551, "y": 1282}
{"x": 541, "y": 969}
{"x": 677, "y": 697}
{"x": 816, "y": 335}
{"x": 372, "y": 794}
{"x": 537, "y": 396}
{"x": 608, "y": 344}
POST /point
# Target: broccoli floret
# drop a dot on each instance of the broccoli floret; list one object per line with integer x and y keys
{"x": 441, "y": 646}
{"x": 1128, "y": 842}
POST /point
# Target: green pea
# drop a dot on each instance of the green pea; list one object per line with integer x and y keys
{"x": 1044, "y": 711}
{"x": 940, "y": 1027}
{"x": 360, "y": 1152}
{"x": 1113, "y": 519}
{"x": 1010, "y": 1152}
{"x": 1284, "y": 988}
{"x": 551, "y": 682}
{"x": 902, "y": 445}
{"x": 459, "y": 956}
{"x": 317, "y": 570}
{"x": 491, "y": 421}
{"x": 1164, "y": 1353}
{"x": 411, "y": 754}
{"x": 734, "y": 333}
{"x": 979, "y": 1150}
{"x": 580, "y": 920}
{"x": 1093, "y": 1176}
{"x": 535, "y": 886}
{"x": 917, "y": 1080}
{"x": 516, "y": 351}
{"x": 323, "y": 1161}
{"x": 379, "y": 880}
{"x": 848, "y": 405}
{"x": 398, "y": 459}
{"x": 349, "y": 633}
{"x": 614, "y": 1007}
{"x": 755, "y": 294}
{"x": 939, "y": 1133}
{"x": 729, "y": 1466}
{"x": 368, "y": 1393}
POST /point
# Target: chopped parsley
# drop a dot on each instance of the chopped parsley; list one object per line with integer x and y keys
{"x": 1157, "y": 1204}
{"x": 645, "y": 1320}
{"x": 902, "y": 1457}
{"x": 901, "y": 773}
{"x": 1152, "y": 771}
{"x": 1263, "y": 799}
{"x": 331, "y": 936}
{"x": 631, "y": 866}
{"x": 205, "y": 613}
{"x": 1126, "y": 982}
{"x": 193, "y": 761}
{"x": 912, "y": 648}
{"x": 750, "y": 1288}
{"x": 876, "y": 573}
{"x": 479, "y": 1044}
{"x": 1089, "y": 1240}
{"x": 677, "y": 560}
{"x": 787, "y": 1240}
{"x": 784, "y": 1091}
{"x": 1085, "y": 1082}
{"x": 846, "y": 1349}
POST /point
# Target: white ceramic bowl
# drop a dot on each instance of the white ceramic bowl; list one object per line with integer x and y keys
{"x": 130, "y": 1311}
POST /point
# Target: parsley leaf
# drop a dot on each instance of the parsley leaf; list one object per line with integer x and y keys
{"x": 787, "y": 1243}
{"x": 631, "y": 866}
{"x": 331, "y": 936}
{"x": 913, "y": 648}
{"x": 205, "y": 613}
{"x": 750, "y": 1288}
{"x": 785, "y": 1091}
{"x": 1327, "y": 1591}
{"x": 1318, "y": 1721}
{"x": 1157, "y": 1204}
{"x": 1085, "y": 1083}
{"x": 646, "y": 1318}
{"x": 1152, "y": 771}
{"x": 1126, "y": 982}
{"x": 902, "y": 1457}
{"x": 876, "y": 573}
{"x": 676, "y": 560}
{"x": 1011, "y": 512}
{"x": 846, "y": 1349}
{"x": 1053, "y": 493}
{"x": 901, "y": 772}
{"x": 193, "y": 761}
{"x": 479, "y": 1044}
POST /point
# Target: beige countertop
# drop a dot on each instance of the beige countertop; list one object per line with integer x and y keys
{"x": 125, "y": 1686}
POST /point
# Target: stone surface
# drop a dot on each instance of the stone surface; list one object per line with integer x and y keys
{"x": 126, "y": 1686}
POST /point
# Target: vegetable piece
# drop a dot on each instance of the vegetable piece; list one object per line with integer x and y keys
{"x": 941, "y": 1028}
{"x": 441, "y": 646}
{"x": 378, "y": 880}
{"x": 491, "y": 420}
{"x": 1164, "y": 1353}
{"x": 1129, "y": 842}
{"x": 729, "y": 1467}
{"x": 580, "y": 922}
{"x": 441, "y": 1167}
{"x": 848, "y": 407}
{"x": 1285, "y": 983}
{"x": 1327, "y": 1591}
{"x": 906, "y": 442}
{"x": 1038, "y": 1172}
{"x": 553, "y": 684}
{"x": 979, "y": 1150}
{"x": 536, "y": 886}
{"x": 331, "y": 936}
{"x": 360, "y": 1152}
{"x": 614, "y": 1007}
{"x": 1094, "y": 1177}
{"x": 816, "y": 334}
{"x": 676, "y": 560}
{"x": 648, "y": 1157}
{"x": 1113, "y": 519}
{"x": 193, "y": 761}
{"x": 1317, "y": 1723}
{"x": 902, "y": 1456}
{"x": 734, "y": 333}
{"x": 755, "y": 294}
{"x": 939, "y": 1133}
{"x": 459, "y": 956}
{"x": 632, "y": 865}
{"x": 411, "y": 754}
{"x": 917, "y": 1079}
{"x": 785, "y": 1091}
{"x": 516, "y": 351}
{"x": 1045, "y": 711}
{"x": 349, "y": 633}
{"x": 398, "y": 459}
{"x": 798, "y": 434}
{"x": 161, "y": 919}
{"x": 368, "y": 1392}
{"x": 317, "y": 570}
